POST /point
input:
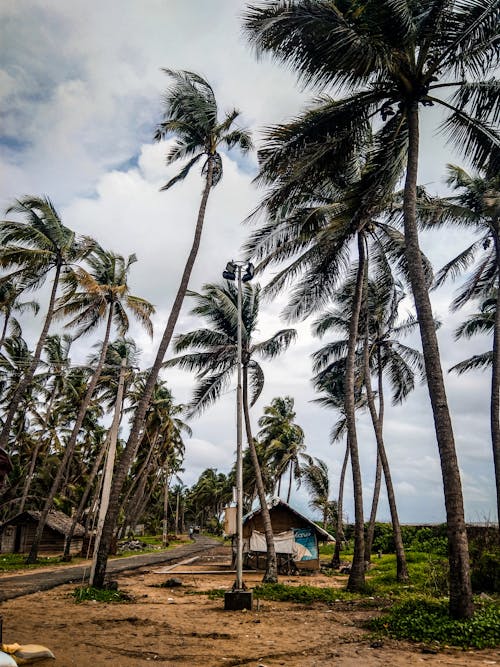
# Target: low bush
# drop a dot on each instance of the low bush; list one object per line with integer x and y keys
{"x": 426, "y": 620}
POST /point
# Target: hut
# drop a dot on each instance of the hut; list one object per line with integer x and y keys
{"x": 17, "y": 533}
{"x": 295, "y": 538}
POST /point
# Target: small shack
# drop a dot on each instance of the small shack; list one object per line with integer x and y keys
{"x": 295, "y": 538}
{"x": 17, "y": 533}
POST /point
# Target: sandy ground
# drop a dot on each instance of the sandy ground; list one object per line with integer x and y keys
{"x": 179, "y": 626}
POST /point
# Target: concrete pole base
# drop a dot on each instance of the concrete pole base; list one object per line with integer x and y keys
{"x": 238, "y": 600}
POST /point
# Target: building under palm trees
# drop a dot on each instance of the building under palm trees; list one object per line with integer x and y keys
{"x": 295, "y": 538}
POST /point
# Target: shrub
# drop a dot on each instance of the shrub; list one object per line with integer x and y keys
{"x": 84, "y": 593}
{"x": 428, "y": 621}
{"x": 485, "y": 574}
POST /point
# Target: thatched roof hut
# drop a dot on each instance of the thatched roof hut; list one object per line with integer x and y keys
{"x": 17, "y": 533}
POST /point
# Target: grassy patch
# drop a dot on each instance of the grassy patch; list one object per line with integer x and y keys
{"x": 10, "y": 562}
{"x": 427, "y": 620}
{"x": 304, "y": 594}
{"x": 84, "y": 593}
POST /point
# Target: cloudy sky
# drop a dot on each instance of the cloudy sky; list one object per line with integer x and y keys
{"x": 80, "y": 95}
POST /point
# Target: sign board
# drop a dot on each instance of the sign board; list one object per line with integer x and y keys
{"x": 306, "y": 544}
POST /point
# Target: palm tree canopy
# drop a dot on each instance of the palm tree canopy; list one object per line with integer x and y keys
{"x": 32, "y": 247}
{"x": 89, "y": 293}
{"x": 191, "y": 113}
{"x": 392, "y": 54}
{"x": 216, "y": 359}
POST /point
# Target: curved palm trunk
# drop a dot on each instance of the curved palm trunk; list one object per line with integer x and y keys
{"x": 461, "y": 604}
{"x": 378, "y": 421}
{"x": 339, "y": 536}
{"x": 495, "y": 378}
{"x": 370, "y": 531}
{"x": 71, "y": 446}
{"x": 271, "y": 574}
{"x": 137, "y": 426}
{"x": 26, "y": 381}
{"x": 357, "y": 575}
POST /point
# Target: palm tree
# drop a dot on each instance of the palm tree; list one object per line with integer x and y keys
{"x": 316, "y": 479}
{"x": 283, "y": 439}
{"x": 217, "y": 362}
{"x": 57, "y": 360}
{"x": 393, "y": 58}
{"x": 191, "y": 114}
{"x": 30, "y": 250}
{"x": 9, "y": 303}
{"x": 89, "y": 298}
{"x": 475, "y": 207}
{"x": 109, "y": 381}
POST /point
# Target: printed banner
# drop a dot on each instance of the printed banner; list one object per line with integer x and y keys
{"x": 305, "y": 542}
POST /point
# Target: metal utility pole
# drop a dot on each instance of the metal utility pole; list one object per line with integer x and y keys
{"x": 110, "y": 463}
{"x": 239, "y": 598}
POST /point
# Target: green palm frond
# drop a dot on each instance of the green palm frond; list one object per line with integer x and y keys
{"x": 477, "y": 362}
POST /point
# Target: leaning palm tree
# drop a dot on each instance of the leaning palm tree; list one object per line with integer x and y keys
{"x": 475, "y": 206}
{"x": 216, "y": 363}
{"x": 31, "y": 250}
{"x": 91, "y": 297}
{"x": 191, "y": 115}
{"x": 283, "y": 439}
{"x": 394, "y": 58}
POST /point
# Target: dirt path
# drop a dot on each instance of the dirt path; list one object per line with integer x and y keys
{"x": 182, "y": 626}
{"x": 43, "y": 579}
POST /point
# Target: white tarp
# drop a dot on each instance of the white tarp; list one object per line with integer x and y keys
{"x": 284, "y": 543}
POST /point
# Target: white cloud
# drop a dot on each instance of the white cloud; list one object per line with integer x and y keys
{"x": 80, "y": 101}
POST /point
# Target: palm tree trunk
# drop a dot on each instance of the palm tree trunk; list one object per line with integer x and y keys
{"x": 4, "y": 328}
{"x": 34, "y": 456}
{"x": 370, "y": 531}
{"x": 357, "y": 575}
{"x": 271, "y": 574}
{"x": 71, "y": 446}
{"x": 461, "y": 604}
{"x": 137, "y": 426}
{"x": 26, "y": 381}
{"x": 164, "y": 538}
{"x": 339, "y": 536}
{"x": 83, "y": 501}
{"x": 377, "y": 421}
{"x": 289, "y": 482}
{"x": 495, "y": 377}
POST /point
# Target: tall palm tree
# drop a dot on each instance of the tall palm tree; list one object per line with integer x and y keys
{"x": 476, "y": 207}
{"x": 216, "y": 362}
{"x": 381, "y": 353}
{"x": 283, "y": 439}
{"x": 394, "y": 58}
{"x": 90, "y": 297}
{"x": 30, "y": 250}
{"x": 191, "y": 115}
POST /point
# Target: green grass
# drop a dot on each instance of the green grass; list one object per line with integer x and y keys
{"x": 85, "y": 593}
{"x": 11, "y": 562}
{"x": 426, "y": 620}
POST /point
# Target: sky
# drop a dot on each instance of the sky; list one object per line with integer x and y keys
{"x": 81, "y": 87}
